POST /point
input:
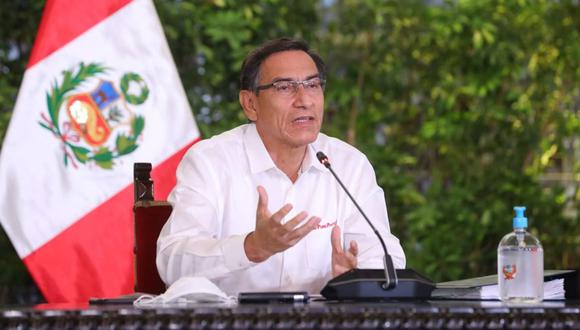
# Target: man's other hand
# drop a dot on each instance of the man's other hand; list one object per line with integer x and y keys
{"x": 270, "y": 235}
{"x": 342, "y": 261}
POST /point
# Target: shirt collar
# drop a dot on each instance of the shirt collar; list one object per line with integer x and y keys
{"x": 258, "y": 156}
{"x": 310, "y": 160}
{"x": 260, "y": 160}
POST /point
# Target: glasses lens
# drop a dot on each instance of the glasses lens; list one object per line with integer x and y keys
{"x": 284, "y": 87}
{"x": 290, "y": 87}
{"x": 313, "y": 84}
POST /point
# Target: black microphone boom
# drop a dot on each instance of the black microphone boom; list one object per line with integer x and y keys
{"x": 372, "y": 284}
{"x": 390, "y": 274}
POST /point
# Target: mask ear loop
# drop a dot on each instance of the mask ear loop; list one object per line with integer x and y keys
{"x": 227, "y": 300}
{"x": 146, "y": 299}
{"x": 231, "y": 300}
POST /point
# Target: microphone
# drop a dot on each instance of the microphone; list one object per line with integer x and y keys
{"x": 390, "y": 274}
{"x": 372, "y": 283}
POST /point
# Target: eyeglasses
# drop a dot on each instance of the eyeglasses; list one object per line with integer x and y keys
{"x": 290, "y": 87}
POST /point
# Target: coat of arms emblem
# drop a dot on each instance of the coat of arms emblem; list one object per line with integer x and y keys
{"x": 509, "y": 271}
{"x": 99, "y": 125}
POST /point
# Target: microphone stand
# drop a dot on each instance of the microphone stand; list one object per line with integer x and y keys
{"x": 363, "y": 283}
{"x": 390, "y": 274}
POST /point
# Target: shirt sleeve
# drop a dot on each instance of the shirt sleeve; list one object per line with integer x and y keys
{"x": 189, "y": 243}
{"x": 372, "y": 200}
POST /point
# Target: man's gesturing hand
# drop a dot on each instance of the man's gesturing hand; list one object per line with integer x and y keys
{"x": 342, "y": 261}
{"x": 270, "y": 235}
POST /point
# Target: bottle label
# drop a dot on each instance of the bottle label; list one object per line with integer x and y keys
{"x": 521, "y": 273}
{"x": 532, "y": 249}
{"x": 509, "y": 271}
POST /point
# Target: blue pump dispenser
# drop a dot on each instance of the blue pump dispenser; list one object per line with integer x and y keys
{"x": 520, "y": 220}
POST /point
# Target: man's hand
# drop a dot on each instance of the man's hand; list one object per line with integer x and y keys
{"x": 342, "y": 261}
{"x": 271, "y": 236}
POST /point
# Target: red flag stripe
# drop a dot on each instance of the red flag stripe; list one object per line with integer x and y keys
{"x": 64, "y": 20}
{"x": 96, "y": 252}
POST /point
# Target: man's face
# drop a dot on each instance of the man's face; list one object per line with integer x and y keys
{"x": 292, "y": 119}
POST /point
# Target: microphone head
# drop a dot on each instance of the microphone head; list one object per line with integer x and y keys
{"x": 323, "y": 159}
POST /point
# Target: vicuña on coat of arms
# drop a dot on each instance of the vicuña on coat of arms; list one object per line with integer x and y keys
{"x": 100, "y": 125}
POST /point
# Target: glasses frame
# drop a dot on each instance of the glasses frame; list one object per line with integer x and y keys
{"x": 295, "y": 84}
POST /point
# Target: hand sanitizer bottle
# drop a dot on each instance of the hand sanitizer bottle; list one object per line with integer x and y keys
{"x": 520, "y": 264}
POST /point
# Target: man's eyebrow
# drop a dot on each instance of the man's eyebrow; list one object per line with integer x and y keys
{"x": 277, "y": 79}
{"x": 316, "y": 75}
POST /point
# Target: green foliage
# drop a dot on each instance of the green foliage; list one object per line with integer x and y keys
{"x": 465, "y": 108}
{"x": 81, "y": 153}
{"x": 19, "y": 22}
{"x": 209, "y": 40}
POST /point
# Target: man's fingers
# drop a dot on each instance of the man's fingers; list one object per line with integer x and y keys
{"x": 353, "y": 253}
{"x": 335, "y": 240}
{"x": 342, "y": 259}
{"x": 352, "y": 260}
{"x": 262, "y": 201}
{"x": 281, "y": 213}
{"x": 353, "y": 249}
{"x": 290, "y": 225}
{"x": 299, "y": 233}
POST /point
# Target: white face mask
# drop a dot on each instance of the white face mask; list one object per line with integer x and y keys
{"x": 188, "y": 289}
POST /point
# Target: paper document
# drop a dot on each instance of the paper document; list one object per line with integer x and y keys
{"x": 486, "y": 287}
{"x": 553, "y": 290}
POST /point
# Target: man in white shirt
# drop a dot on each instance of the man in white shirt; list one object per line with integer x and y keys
{"x": 254, "y": 210}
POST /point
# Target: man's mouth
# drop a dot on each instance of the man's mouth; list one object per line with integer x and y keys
{"x": 303, "y": 119}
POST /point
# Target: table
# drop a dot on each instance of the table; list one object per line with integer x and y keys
{"x": 431, "y": 314}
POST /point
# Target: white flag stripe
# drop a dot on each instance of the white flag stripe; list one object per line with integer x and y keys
{"x": 32, "y": 157}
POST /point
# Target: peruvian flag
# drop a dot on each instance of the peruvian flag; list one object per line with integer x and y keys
{"x": 100, "y": 93}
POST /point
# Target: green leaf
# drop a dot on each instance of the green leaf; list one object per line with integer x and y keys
{"x": 103, "y": 155}
{"x": 103, "y": 158}
{"x": 47, "y": 127}
{"x": 81, "y": 154}
{"x": 125, "y": 145}
{"x": 93, "y": 69}
{"x": 137, "y": 126}
{"x": 53, "y": 106}
{"x": 104, "y": 164}
{"x": 129, "y": 149}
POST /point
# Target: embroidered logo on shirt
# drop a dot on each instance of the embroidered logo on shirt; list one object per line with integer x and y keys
{"x": 326, "y": 225}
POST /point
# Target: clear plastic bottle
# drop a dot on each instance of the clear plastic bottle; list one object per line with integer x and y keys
{"x": 520, "y": 264}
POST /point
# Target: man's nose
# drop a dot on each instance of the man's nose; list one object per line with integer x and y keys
{"x": 301, "y": 97}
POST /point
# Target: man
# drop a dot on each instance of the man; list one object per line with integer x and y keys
{"x": 254, "y": 210}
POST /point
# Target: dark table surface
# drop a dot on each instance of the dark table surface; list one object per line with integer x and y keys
{"x": 316, "y": 314}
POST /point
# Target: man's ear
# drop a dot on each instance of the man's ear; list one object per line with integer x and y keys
{"x": 248, "y": 103}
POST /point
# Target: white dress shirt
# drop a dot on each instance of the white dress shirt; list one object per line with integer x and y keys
{"x": 214, "y": 209}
